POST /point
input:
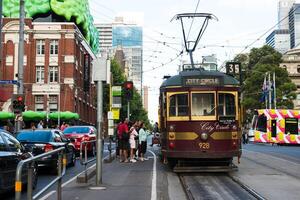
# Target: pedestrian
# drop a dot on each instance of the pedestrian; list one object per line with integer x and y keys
{"x": 142, "y": 142}
{"x": 124, "y": 144}
{"x": 40, "y": 125}
{"x": 132, "y": 142}
{"x": 63, "y": 126}
{"x": 244, "y": 134}
{"x": 32, "y": 125}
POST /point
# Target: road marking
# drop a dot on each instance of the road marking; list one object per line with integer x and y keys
{"x": 70, "y": 180}
{"x": 281, "y": 159}
{"x": 153, "y": 189}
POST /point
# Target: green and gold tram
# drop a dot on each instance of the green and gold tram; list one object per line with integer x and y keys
{"x": 199, "y": 119}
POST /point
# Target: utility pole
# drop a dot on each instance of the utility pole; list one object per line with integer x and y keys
{"x": 274, "y": 88}
{"x": 1, "y": 7}
{"x": 21, "y": 49}
{"x": 21, "y": 57}
{"x": 99, "y": 134}
{"x": 270, "y": 91}
{"x": 128, "y": 110}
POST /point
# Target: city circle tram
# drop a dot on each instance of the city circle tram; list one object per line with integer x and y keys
{"x": 200, "y": 120}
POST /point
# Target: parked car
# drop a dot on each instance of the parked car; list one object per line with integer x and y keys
{"x": 80, "y": 134}
{"x": 11, "y": 153}
{"x": 44, "y": 140}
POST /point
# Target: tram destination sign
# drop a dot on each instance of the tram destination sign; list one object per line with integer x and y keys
{"x": 203, "y": 81}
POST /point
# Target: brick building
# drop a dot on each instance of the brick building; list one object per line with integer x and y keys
{"x": 57, "y": 68}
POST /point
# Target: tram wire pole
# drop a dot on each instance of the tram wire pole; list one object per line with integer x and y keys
{"x": 1, "y": 3}
{"x": 21, "y": 55}
{"x": 270, "y": 91}
{"x": 274, "y": 88}
{"x": 99, "y": 134}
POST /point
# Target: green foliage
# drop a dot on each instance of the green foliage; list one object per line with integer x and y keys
{"x": 136, "y": 106}
{"x": 256, "y": 64}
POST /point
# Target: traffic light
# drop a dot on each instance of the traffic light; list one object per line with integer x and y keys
{"x": 18, "y": 103}
{"x": 128, "y": 90}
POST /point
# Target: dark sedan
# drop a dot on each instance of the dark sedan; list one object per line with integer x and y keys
{"x": 11, "y": 153}
{"x": 44, "y": 140}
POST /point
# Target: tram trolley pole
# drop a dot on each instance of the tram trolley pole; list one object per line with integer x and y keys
{"x": 84, "y": 161}
{"x": 62, "y": 163}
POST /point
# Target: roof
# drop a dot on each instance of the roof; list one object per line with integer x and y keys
{"x": 177, "y": 80}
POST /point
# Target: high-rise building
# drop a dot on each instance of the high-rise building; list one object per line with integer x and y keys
{"x": 294, "y": 25}
{"x": 105, "y": 37}
{"x": 284, "y": 7}
{"x": 121, "y": 37}
{"x": 280, "y": 40}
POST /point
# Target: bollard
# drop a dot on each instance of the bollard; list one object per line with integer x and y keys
{"x": 60, "y": 158}
{"x": 29, "y": 181}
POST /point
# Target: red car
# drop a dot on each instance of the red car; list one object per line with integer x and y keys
{"x": 79, "y": 134}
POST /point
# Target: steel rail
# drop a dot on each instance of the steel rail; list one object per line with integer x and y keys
{"x": 85, "y": 162}
{"x": 62, "y": 162}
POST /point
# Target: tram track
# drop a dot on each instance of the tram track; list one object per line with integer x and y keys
{"x": 215, "y": 186}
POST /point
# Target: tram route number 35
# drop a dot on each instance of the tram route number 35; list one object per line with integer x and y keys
{"x": 204, "y": 145}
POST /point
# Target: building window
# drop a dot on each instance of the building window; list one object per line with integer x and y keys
{"x": 53, "y": 74}
{"x": 54, "y": 47}
{"x": 40, "y": 76}
{"x": 39, "y": 103}
{"x": 298, "y": 68}
{"x": 53, "y": 103}
{"x": 40, "y": 47}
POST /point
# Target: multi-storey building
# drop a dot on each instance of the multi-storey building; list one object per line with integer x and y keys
{"x": 124, "y": 37}
{"x": 294, "y": 25}
{"x": 280, "y": 40}
{"x": 291, "y": 62}
{"x": 57, "y": 68}
{"x": 284, "y": 7}
{"x": 105, "y": 37}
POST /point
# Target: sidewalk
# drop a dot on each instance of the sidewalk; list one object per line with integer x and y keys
{"x": 134, "y": 181}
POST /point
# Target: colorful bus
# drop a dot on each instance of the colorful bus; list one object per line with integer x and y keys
{"x": 279, "y": 126}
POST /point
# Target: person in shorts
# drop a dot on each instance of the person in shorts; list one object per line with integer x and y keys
{"x": 142, "y": 142}
{"x": 132, "y": 142}
{"x": 124, "y": 141}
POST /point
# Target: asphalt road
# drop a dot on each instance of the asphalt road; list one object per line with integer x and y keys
{"x": 290, "y": 153}
{"x": 44, "y": 177}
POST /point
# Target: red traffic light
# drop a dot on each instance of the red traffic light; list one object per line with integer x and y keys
{"x": 128, "y": 85}
{"x": 20, "y": 98}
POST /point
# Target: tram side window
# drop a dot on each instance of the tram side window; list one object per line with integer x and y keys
{"x": 178, "y": 105}
{"x": 262, "y": 123}
{"x": 203, "y": 104}
{"x": 226, "y": 105}
{"x": 291, "y": 126}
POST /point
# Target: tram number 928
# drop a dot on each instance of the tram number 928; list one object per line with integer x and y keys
{"x": 204, "y": 145}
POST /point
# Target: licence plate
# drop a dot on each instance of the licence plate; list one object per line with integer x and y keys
{"x": 204, "y": 145}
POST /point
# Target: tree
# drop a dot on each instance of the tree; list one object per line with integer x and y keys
{"x": 136, "y": 106}
{"x": 260, "y": 61}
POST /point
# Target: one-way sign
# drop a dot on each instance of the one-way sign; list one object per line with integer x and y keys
{"x": 15, "y": 82}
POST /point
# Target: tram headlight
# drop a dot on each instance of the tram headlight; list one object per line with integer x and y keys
{"x": 204, "y": 136}
{"x": 172, "y": 128}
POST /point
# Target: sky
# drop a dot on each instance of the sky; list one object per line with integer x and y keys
{"x": 240, "y": 23}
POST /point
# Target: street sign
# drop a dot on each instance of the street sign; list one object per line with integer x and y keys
{"x": 233, "y": 68}
{"x": 116, "y": 91}
{"x": 14, "y": 82}
{"x": 116, "y": 113}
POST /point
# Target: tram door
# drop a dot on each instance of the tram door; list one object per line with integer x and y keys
{"x": 273, "y": 128}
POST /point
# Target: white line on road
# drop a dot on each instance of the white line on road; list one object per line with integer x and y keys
{"x": 70, "y": 180}
{"x": 153, "y": 189}
{"x": 281, "y": 159}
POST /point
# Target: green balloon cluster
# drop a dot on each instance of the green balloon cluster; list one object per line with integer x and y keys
{"x": 72, "y": 10}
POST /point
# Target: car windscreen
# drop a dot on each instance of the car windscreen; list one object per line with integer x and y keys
{"x": 77, "y": 130}
{"x": 34, "y": 136}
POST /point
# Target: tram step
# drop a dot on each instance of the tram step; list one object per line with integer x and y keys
{"x": 187, "y": 169}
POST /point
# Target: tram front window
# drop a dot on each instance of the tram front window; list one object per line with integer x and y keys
{"x": 203, "y": 104}
{"x": 178, "y": 105}
{"x": 226, "y": 105}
